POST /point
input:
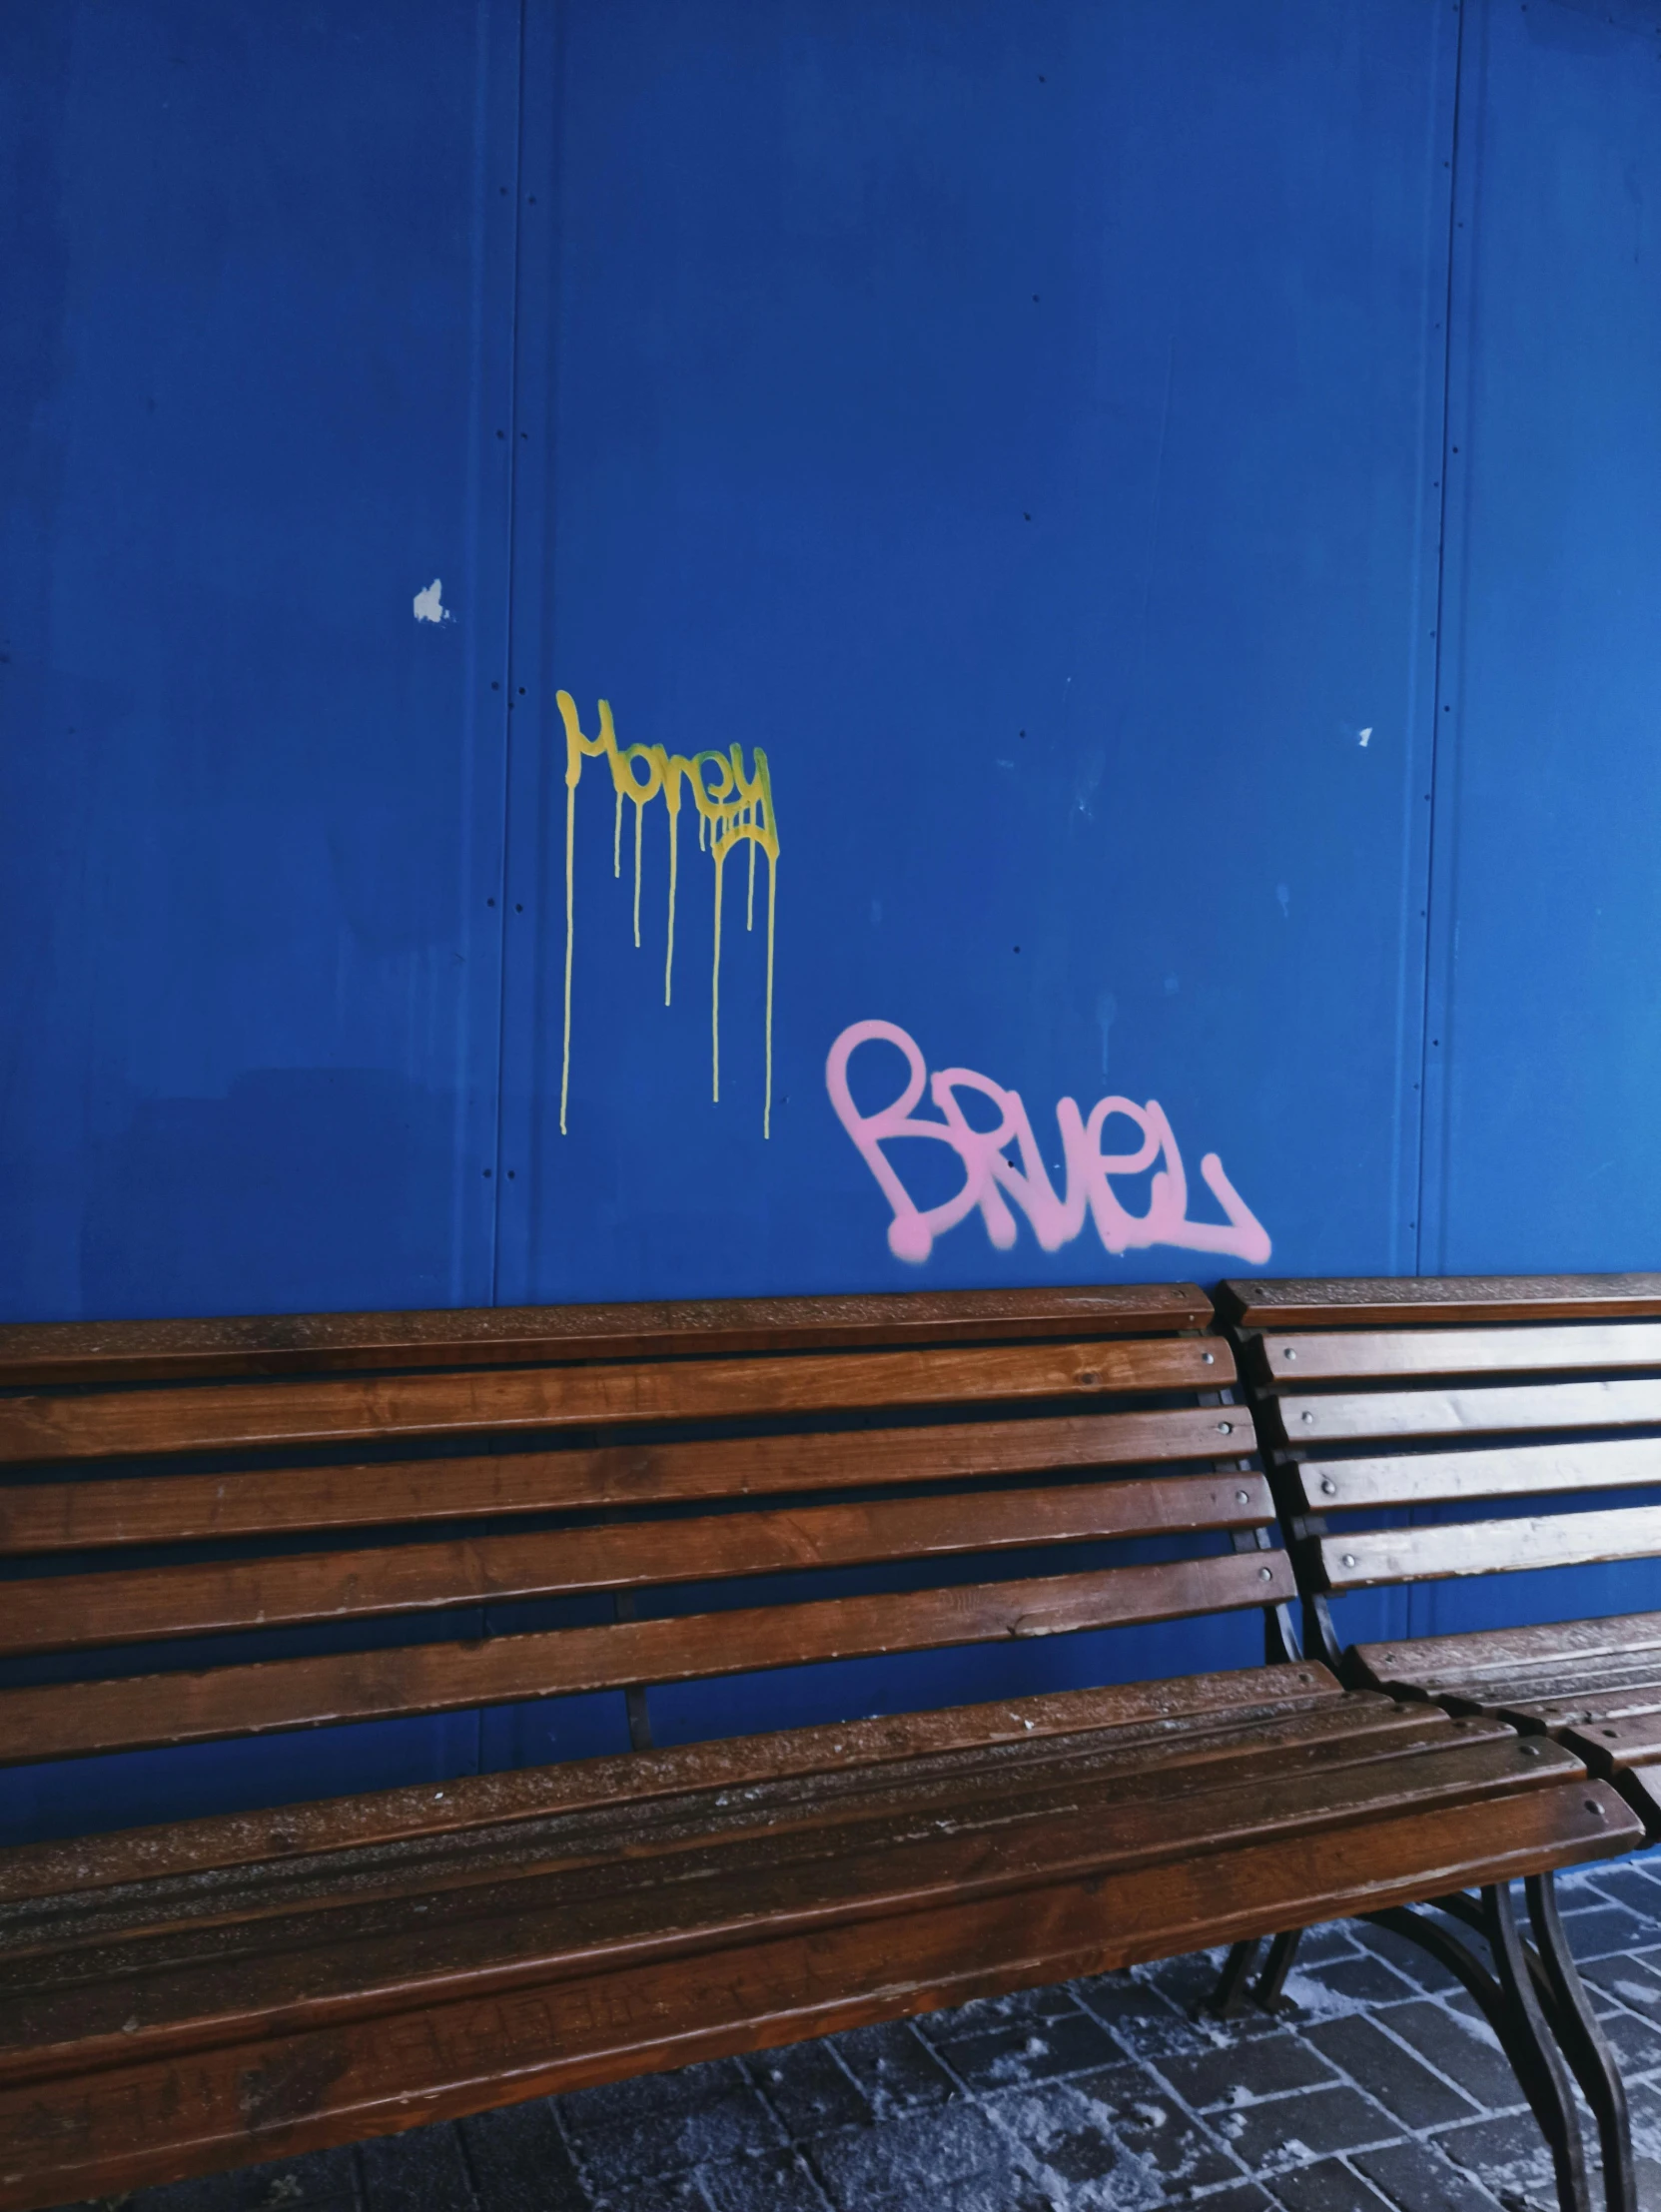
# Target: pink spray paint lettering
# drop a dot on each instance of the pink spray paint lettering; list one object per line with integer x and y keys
{"x": 991, "y": 1181}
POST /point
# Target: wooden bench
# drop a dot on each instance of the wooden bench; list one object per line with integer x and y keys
{"x": 1425, "y": 1430}
{"x": 187, "y": 1997}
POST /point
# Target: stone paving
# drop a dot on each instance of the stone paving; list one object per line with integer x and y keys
{"x": 1381, "y": 2090}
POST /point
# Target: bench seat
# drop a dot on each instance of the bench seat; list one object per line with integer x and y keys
{"x": 216, "y": 1536}
{"x": 1594, "y": 1686}
{"x": 251, "y": 1987}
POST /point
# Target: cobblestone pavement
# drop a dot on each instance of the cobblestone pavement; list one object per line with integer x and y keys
{"x": 1381, "y": 2089}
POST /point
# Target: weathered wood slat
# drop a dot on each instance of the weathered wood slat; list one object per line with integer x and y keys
{"x": 137, "y": 1996}
{"x": 1612, "y": 1747}
{"x": 1516, "y": 1470}
{"x": 1310, "y": 1422}
{"x": 1368, "y": 1559}
{"x": 1357, "y": 1355}
{"x": 117, "y": 1351}
{"x": 349, "y": 1410}
{"x": 1238, "y": 1698}
{"x": 66, "y": 1613}
{"x": 1629, "y": 1684}
{"x": 1497, "y": 1652}
{"x": 78, "y": 1719}
{"x": 155, "y": 1509}
{"x": 1394, "y": 1301}
{"x": 196, "y": 2112}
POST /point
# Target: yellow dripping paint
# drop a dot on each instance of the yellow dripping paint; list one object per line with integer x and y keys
{"x": 733, "y": 808}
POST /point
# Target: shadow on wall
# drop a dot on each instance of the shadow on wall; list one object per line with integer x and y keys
{"x": 307, "y": 1188}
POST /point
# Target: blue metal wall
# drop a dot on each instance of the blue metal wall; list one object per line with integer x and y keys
{"x": 1034, "y": 428}
{"x": 256, "y": 392}
{"x": 1022, "y": 424}
{"x": 1170, "y": 490}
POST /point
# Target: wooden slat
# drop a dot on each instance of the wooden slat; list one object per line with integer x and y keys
{"x": 213, "y": 1416}
{"x": 1497, "y": 1652}
{"x": 1517, "y": 1470}
{"x": 1547, "y": 1698}
{"x": 1550, "y": 1405}
{"x": 165, "y": 2119}
{"x": 144, "y": 1711}
{"x": 1376, "y": 1555}
{"x": 1392, "y": 1301}
{"x": 1357, "y": 1355}
{"x": 1235, "y": 1698}
{"x": 1642, "y": 1786}
{"x": 1613, "y": 1747}
{"x": 156, "y": 1509}
{"x": 77, "y": 1612}
{"x": 115, "y": 1352}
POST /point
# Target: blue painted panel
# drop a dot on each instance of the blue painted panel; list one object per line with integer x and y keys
{"x": 255, "y": 385}
{"x": 1544, "y": 1039}
{"x": 1022, "y": 425}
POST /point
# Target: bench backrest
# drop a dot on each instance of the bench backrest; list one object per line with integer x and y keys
{"x": 162, "y": 1484}
{"x": 1465, "y": 1393}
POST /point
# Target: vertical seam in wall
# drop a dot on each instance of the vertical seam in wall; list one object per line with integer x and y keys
{"x": 507, "y": 655}
{"x": 513, "y": 412}
{"x": 1437, "y": 701}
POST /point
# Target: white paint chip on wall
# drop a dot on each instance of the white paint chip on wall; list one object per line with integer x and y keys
{"x": 429, "y": 606}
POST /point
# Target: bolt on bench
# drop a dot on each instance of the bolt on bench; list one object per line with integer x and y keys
{"x": 1512, "y": 1414}
{"x": 187, "y": 1997}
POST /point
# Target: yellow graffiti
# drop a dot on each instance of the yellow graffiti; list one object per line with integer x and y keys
{"x": 732, "y": 807}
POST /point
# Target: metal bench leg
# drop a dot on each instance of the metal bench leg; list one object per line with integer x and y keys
{"x": 1584, "y": 2044}
{"x": 1271, "y": 1982}
{"x": 1510, "y": 2003}
{"x": 1230, "y": 1993}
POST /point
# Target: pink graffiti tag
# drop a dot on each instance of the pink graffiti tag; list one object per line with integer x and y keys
{"x": 990, "y": 1180}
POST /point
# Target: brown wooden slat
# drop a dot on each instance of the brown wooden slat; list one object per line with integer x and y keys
{"x": 1392, "y": 1301}
{"x": 1549, "y": 1405}
{"x": 1497, "y": 1652}
{"x": 163, "y": 2119}
{"x": 1516, "y": 1470}
{"x": 1356, "y": 1355}
{"x": 77, "y": 1612}
{"x": 82, "y": 1718}
{"x": 131, "y": 1998}
{"x": 1583, "y": 1693}
{"x": 210, "y": 1416}
{"x": 1379, "y": 1556}
{"x": 1238, "y": 1697}
{"x": 146, "y": 1509}
{"x": 1547, "y": 1698}
{"x": 1642, "y": 1787}
{"x": 114, "y": 1351}
{"x": 1610, "y": 1748}
{"x": 1544, "y": 1696}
